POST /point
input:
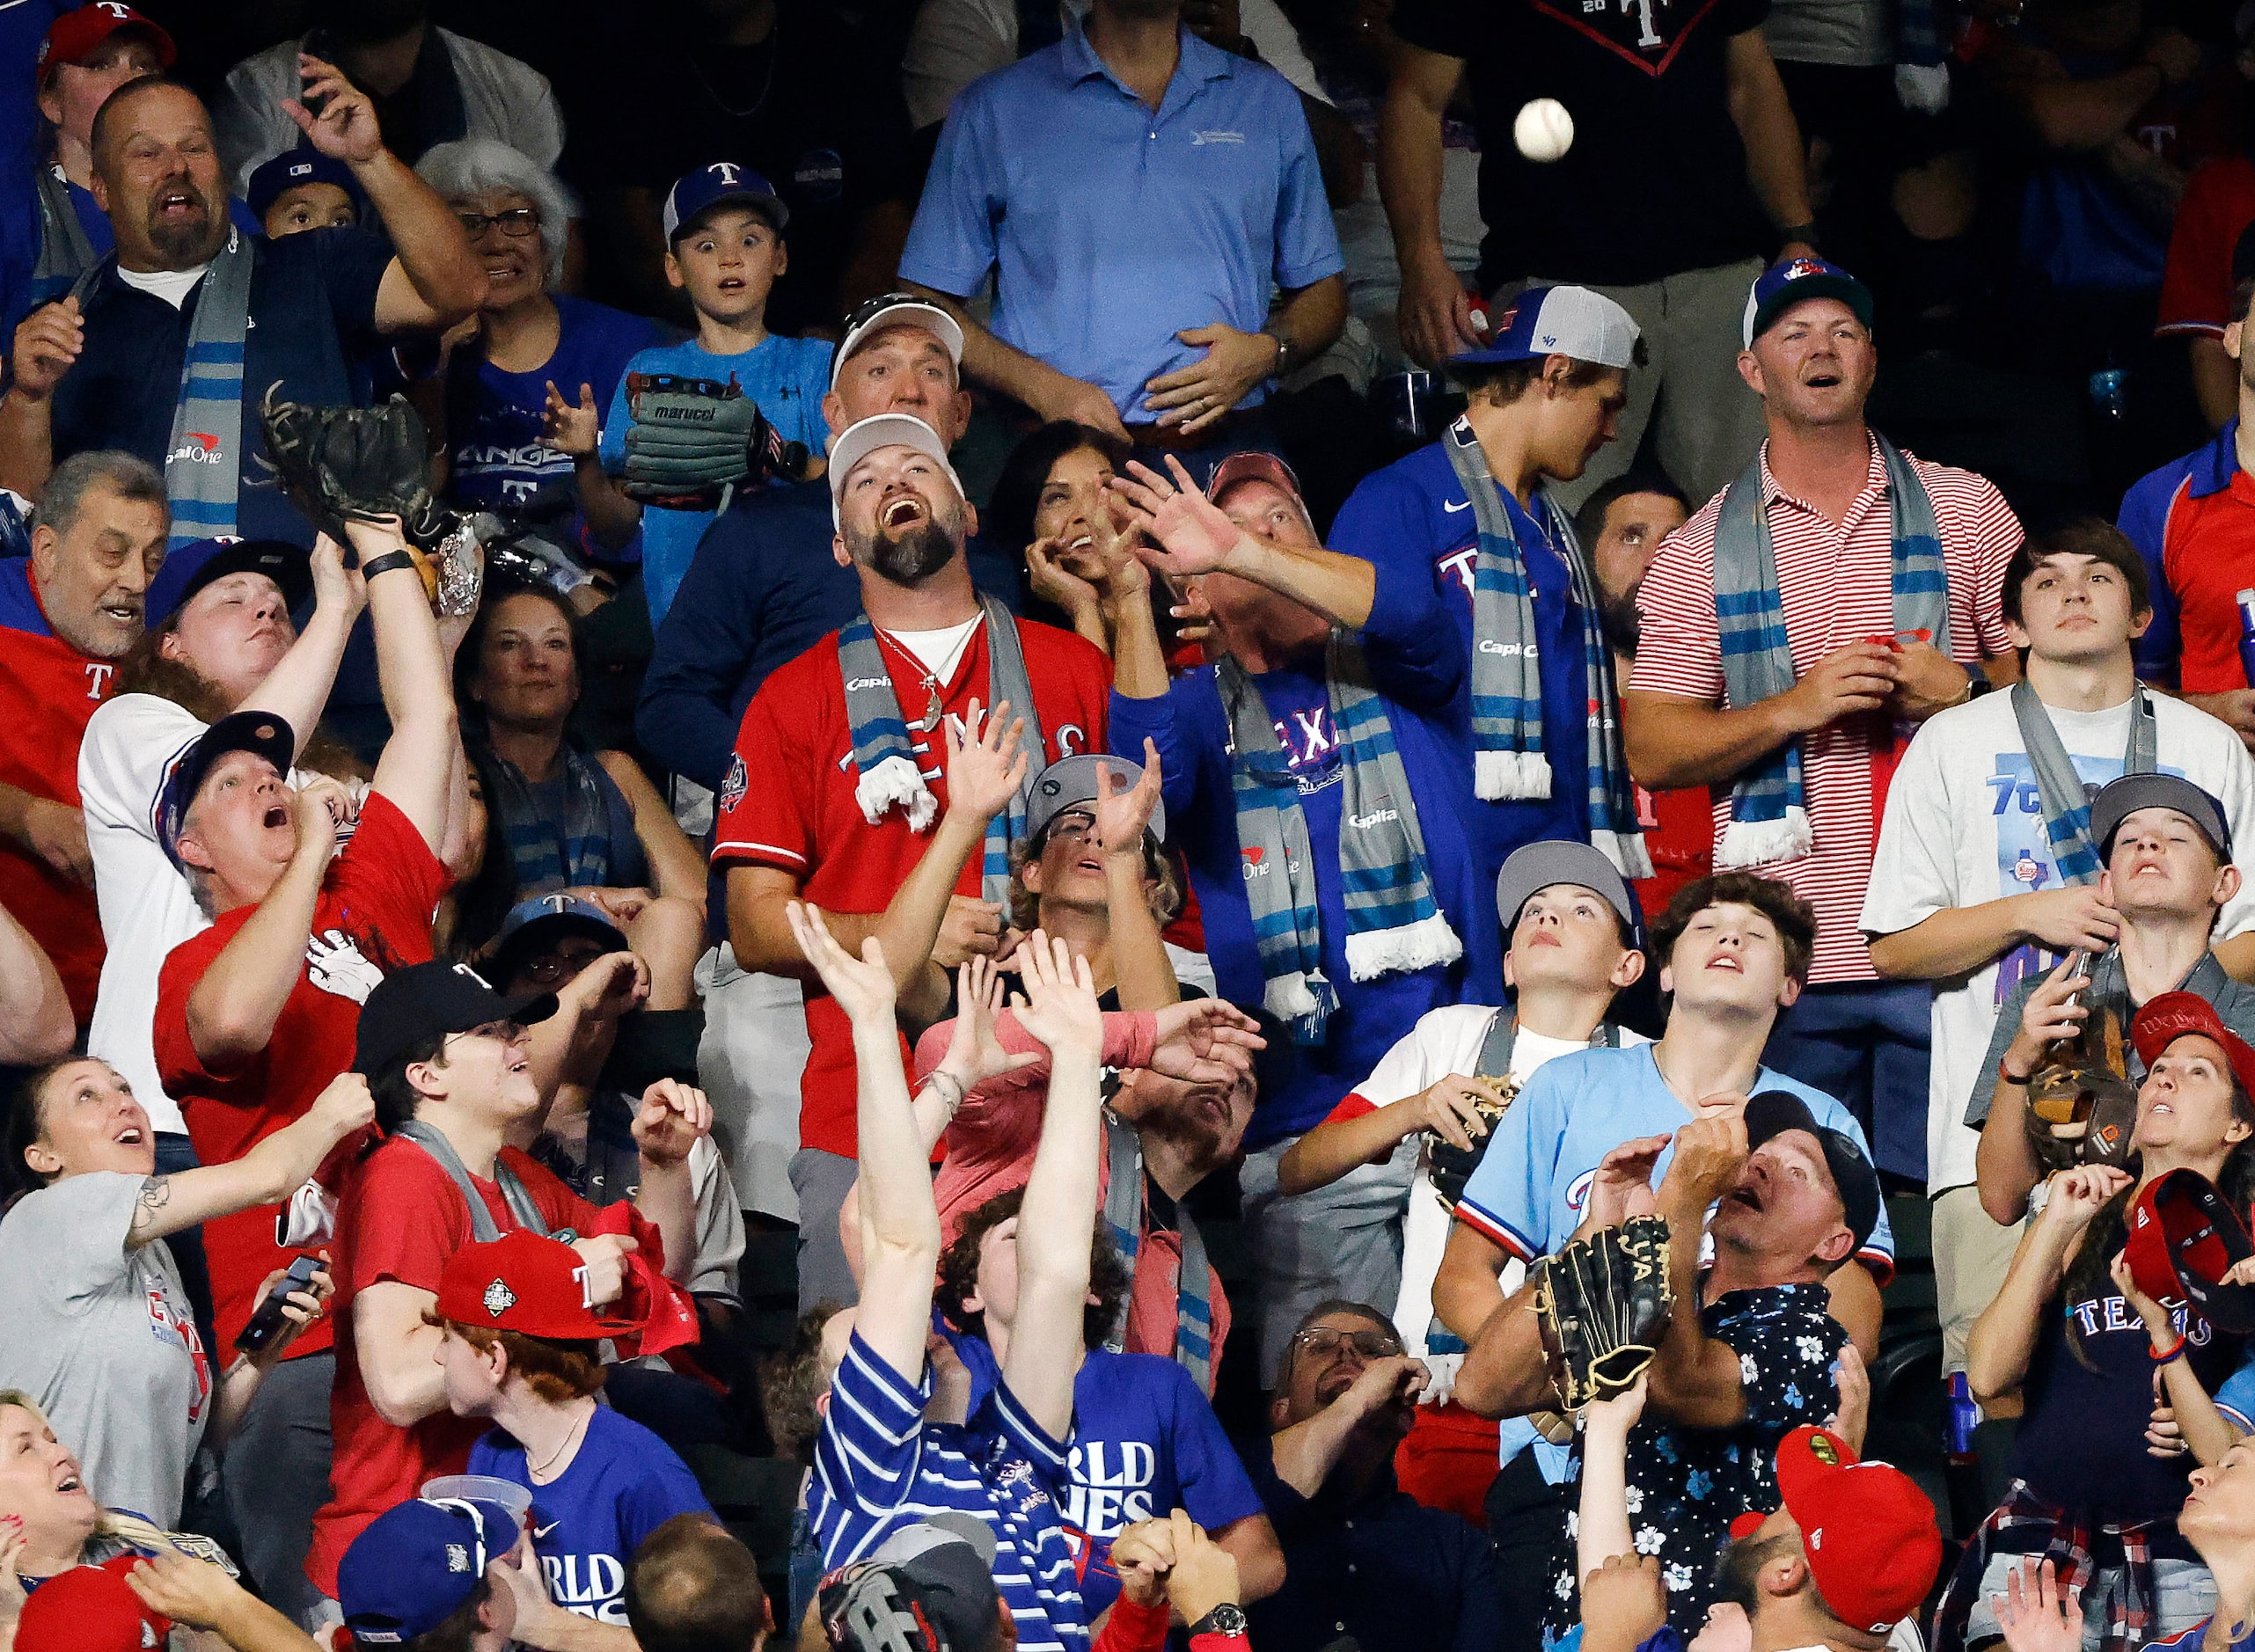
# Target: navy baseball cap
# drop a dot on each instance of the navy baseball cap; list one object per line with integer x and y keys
{"x": 414, "y": 1565}
{"x": 697, "y": 192}
{"x": 540, "y": 923}
{"x": 293, "y": 168}
{"x": 1774, "y": 1111}
{"x": 1569, "y": 321}
{"x": 259, "y": 731}
{"x": 1796, "y": 281}
{"x": 207, "y": 561}
{"x": 410, "y": 1004}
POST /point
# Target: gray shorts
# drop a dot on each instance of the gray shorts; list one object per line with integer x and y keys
{"x": 2186, "y": 1594}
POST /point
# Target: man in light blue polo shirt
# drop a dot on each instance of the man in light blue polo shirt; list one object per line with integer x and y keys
{"x": 1139, "y": 195}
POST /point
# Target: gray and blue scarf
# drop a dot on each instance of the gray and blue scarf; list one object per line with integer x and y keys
{"x": 1124, "y": 1207}
{"x": 204, "y": 460}
{"x": 1769, "y": 809}
{"x": 1508, "y": 759}
{"x": 1393, "y": 922}
{"x": 886, "y": 756}
{"x": 2060, "y": 790}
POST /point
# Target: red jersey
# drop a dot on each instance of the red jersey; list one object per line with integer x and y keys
{"x": 373, "y": 916}
{"x": 400, "y": 1220}
{"x": 47, "y": 691}
{"x": 2196, "y": 283}
{"x": 1679, "y": 828}
{"x": 803, "y": 818}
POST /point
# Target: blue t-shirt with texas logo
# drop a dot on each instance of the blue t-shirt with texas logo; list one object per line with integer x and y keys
{"x": 622, "y": 1484}
{"x": 1529, "y": 1189}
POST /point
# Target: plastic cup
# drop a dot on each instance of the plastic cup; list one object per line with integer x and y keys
{"x": 482, "y": 1489}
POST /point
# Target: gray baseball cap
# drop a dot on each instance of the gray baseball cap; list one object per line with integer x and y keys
{"x": 1071, "y": 781}
{"x": 2118, "y": 800}
{"x": 1537, "y": 865}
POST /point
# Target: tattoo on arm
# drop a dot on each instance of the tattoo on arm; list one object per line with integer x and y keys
{"x": 155, "y": 1194}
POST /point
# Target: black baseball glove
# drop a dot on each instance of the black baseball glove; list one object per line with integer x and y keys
{"x": 1604, "y": 1302}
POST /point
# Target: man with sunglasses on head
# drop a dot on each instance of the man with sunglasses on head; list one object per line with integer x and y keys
{"x": 1362, "y": 1558}
{"x": 449, "y": 1062}
{"x": 762, "y": 589}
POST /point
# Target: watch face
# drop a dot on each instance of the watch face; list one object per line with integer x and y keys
{"x": 1226, "y": 1619}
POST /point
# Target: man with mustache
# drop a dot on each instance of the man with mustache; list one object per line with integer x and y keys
{"x": 68, "y": 613}
{"x": 835, "y": 789}
{"x": 1855, "y": 581}
{"x": 165, "y": 348}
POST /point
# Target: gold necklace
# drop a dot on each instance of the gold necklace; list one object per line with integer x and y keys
{"x": 540, "y": 1472}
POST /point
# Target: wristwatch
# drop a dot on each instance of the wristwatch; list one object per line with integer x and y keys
{"x": 1227, "y": 1618}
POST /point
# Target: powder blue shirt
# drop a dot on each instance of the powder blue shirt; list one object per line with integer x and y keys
{"x": 785, "y": 376}
{"x": 1112, "y": 227}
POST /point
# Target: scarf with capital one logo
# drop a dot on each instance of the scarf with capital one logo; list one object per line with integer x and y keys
{"x": 1393, "y": 922}
{"x": 204, "y": 460}
{"x": 886, "y": 758}
{"x": 1769, "y": 811}
{"x": 1507, "y": 758}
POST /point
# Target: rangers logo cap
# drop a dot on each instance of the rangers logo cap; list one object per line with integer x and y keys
{"x": 1569, "y": 321}
{"x": 527, "y": 1283}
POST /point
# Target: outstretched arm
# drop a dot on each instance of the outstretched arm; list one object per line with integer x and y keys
{"x": 900, "y": 1223}
{"x": 267, "y": 1174}
{"x": 35, "y": 1023}
{"x": 297, "y": 689}
{"x": 1057, "y": 1222}
{"x": 1192, "y": 535}
{"x": 416, "y": 768}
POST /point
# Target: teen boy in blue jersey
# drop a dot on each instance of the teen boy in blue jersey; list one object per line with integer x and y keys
{"x": 1309, "y": 779}
{"x": 521, "y": 1348}
{"x": 1537, "y": 714}
{"x": 1145, "y": 1440}
{"x": 879, "y": 1465}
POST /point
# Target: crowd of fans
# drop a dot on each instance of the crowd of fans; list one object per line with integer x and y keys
{"x": 971, "y": 1019}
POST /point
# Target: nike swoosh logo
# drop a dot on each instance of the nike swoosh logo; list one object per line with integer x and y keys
{"x": 1467, "y": 505}
{"x": 541, "y": 1531}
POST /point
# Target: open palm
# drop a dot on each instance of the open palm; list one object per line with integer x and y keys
{"x": 1192, "y": 534}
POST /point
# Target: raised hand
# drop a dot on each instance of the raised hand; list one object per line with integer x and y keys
{"x": 571, "y": 428}
{"x": 2036, "y": 1614}
{"x": 862, "y": 986}
{"x": 346, "y": 129}
{"x": 1123, "y": 814}
{"x": 1710, "y": 1153}
{"x": 673, "y": 1118}
{"x": 1204, "y": 1574}
{"x": 1050, "y": 577}
{"x": 974, "y": 1054}
{"x": 2080, "y": 1194}
{"x": 1622, "y": 1186}
{"x": 984, "y": 772}
{"x": 1205, "y": 1041}
{"x": 300, "y": 1309}
{"x": 324, "y": 809}
{"x": 1192, "y": 534}
{"x": 1058, "y": 1005}
{"x": 337, "y": 589}
{"x": 344, "y": 1105}
{"x": 1853, "y": 1378}
{"x": 2050, "y": 1015}
{"x": 1624, "y": 1604}
{"x": 603, "y": 1257}
{"x": 47, "y": 342}
{"x": 612, "y": 985}
{"x": 1617, "y": 1413}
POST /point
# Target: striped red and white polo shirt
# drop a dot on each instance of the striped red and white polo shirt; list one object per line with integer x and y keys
{"x": 1833, "y": 581}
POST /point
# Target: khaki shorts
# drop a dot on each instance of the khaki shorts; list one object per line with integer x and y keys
{"x": 1970, "y": 1256}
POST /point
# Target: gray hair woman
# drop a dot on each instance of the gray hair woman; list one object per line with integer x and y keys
{"x": 485, "y": 396}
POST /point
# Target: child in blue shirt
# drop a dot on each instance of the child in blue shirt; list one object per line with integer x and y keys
{"x": 523, "y": 1350}
{"x": 724, "y": 247}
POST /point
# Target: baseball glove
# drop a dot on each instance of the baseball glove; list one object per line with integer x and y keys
{"x": 1451, "y": 1166}
{"x": 1603, "y": 1302}
{"x": 340, "y": 464}
{"x": 693, "y": 439}
{"x": 2081, "y": 1103}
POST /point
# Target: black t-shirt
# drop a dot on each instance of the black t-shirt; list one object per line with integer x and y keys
{"x": 1655, "y": 182}
{"x": 2083, "y": 1441}
{"x": 815, "y": 108}
{"x": 312, "y": 312}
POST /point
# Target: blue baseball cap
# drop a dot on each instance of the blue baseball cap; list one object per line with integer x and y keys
{"x": 207, "y": 561}
{"x": 414, "y": 1565}
{"x": 697, "y": 192}
{"x": 1797, "y": 280}
{"x": 1569, "y": 321}
{"x": 536, "y": 925}
{"x": 293, "y": 168}
{"x": 259, "y": 731}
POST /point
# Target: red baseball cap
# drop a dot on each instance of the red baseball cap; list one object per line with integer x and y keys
{"x": 72, "y": 37}
{"x": 2182, "y": 1238}
{"x": 526, "y": 1282}
{"x": 1867, "y": 1530}
{"x": 2175, "y": 1015}
{"x": 89, "y": 1609}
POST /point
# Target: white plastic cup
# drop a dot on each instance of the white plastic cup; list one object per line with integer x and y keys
{"x": 483, "y": 1488}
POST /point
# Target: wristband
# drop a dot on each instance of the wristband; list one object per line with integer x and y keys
{"x": 2175, "y": 1352}
{"x": 1805, "y": 233}
{"x": 1283, "y": 353}
{"x": 950, "y": 1079}
{"x": 2005, "y": 1075}
{"x": 388, "y": 561}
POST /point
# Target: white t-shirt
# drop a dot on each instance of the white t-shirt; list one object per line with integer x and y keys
{"x": 173, "y": 286}
{"x": 131, "y": 744}
{"x": 1964, "y": 826}
{"x": 1443, "y": 1041}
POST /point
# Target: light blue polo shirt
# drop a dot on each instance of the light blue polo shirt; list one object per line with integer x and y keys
{"x": 1111, "y": 229}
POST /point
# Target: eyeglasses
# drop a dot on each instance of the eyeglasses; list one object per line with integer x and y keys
{"x": 1370, "y": 1344}
{"x": 1075, "y": 828}
{"x": 517, "y": 221}
{"x": 549, "y": 968}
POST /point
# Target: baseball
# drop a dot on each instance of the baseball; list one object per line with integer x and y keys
{"x": 1544, "y": 131}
